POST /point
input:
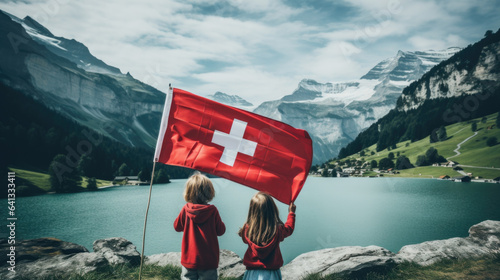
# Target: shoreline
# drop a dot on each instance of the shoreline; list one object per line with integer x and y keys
{"x": 386, "y": 176}
{"x": 406, "y": 177}
{"x": 56, "y": 257}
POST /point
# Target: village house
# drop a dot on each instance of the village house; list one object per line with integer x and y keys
{"x": 463, "y": 179}
{"x": 446, "y": 164}
{"x": 128, "y": 180}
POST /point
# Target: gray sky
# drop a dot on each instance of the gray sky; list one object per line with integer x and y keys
{"x": 258, "y": 49}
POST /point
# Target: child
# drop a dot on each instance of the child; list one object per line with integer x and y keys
{"x": 201, "y": 224}
{"x": 263, "y": 232}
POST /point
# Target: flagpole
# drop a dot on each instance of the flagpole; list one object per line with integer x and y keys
{"x": 146, "y": 220}
{"x": 159, "y": 142}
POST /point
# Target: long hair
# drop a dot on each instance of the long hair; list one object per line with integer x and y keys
{"x": 263, "y": 219}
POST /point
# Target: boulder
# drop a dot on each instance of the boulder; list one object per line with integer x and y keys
{"x": 34, "y": 249}
{"x": 48, "y": 257}
{"x": 430, "y": 252}
{"x": 350, "y": 261}
{"x": 59, "y": 265}
{"x": 483, "y": 240}
{"x": 117, "y": 250}
{"x": 172, "y": 258}
{"x": 487, "y": 234}
{"x": 230, "y": 264}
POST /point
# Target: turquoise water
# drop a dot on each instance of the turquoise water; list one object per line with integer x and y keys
{"x": 331, "y": 212}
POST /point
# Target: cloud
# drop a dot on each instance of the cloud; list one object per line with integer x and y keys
{"x": 257, "y": 49}
{"x": 252, "y": 83}
{"x": 427, "y": 43}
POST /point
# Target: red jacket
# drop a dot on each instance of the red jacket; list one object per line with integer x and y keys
{"x": 201, "y": 225}
{"x": 269, "y": 255}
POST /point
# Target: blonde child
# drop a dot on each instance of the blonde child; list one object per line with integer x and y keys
{"x": 263, "y": 231}
{"x": 201, "y": 225}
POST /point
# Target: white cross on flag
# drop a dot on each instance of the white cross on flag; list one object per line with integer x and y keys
{"x": 231, "y": 143}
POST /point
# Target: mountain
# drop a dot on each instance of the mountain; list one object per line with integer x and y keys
{"x": 72, "y": 50}
{"x": 335, "y": 113}
{"x": 231, "y": 100}
{"x": 63, "y": 75}
{"x": 464, "y": 87}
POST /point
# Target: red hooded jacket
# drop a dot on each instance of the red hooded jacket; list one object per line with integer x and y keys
{"x": 201, "y": 225}
{"x": 268, "y": 256}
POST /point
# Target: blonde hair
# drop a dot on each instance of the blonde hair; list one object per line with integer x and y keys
{"x": 263, "y": 219}
{"x": 199, "y": 189}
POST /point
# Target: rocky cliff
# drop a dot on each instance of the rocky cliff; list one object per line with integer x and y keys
{"x": 46, "y": 257}
{"x": 65, "y": 77}
{"x": 475, "y": 70}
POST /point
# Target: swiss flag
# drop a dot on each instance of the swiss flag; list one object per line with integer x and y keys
{"x": 235, "y": 144}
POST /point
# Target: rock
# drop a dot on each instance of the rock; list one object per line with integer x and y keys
{"x": 60, "y": 265}
{"x": 172, "y": 258}
{"x": 430, "y": 252}
{"x": 487, "y": 234}
{"x": 34, "y": 249}
{"x": 351, "y": 261}
{"x": 230, "y": 264}
{"x": 483, "y": 240}
{"x": 117, "y": 250}
{"x": 49, "y": 257}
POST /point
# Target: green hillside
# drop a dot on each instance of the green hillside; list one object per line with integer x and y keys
{"x": 475, "y": 152}
{"x": 32, "y": 182}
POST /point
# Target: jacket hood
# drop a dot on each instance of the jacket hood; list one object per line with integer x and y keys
{"x": 199, "y": 213}
{"x": 263, "y": 251}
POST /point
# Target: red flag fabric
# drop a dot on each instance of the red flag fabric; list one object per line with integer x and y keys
{"x": 235, "y": 144}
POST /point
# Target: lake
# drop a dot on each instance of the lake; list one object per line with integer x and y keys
{"x": 331, "y": 212}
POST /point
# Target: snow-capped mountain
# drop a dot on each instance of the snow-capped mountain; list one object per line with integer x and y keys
{"x": 335, "y": 113}
{"x": 64, "y": 76}
{"x": 231, "y": 100}
{"x": 464, "y": 87}
{"x": 70, "y": 49}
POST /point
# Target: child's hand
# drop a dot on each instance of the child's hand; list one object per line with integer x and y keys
{"x": 292, "y": 207}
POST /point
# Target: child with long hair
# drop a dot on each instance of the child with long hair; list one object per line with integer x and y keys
{"x": 263, "y": 231}
{"x": 201, "y": 224}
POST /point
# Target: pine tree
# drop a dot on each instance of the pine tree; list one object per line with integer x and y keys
{"x": 473, "y": 126}
{"x": 431, "y": 155}
{"x": 385, "y": 163}
{"x": 91, "y": 184}
{"x": 421, "y": 160}
{"x": 63, "y": 178}
{"x": 498, "y": 120}
{"x": 441, "y": 134}
{"x": 433, "y": 138}
{"x": 403, "y": 163}
{"x": 123, "y": 170}
{"x": 391, "y": 155}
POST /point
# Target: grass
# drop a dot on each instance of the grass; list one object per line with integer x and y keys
{"x": 426, "y": 172}
{"x": 474, "y": 152}
{"x": 473, "y": 269}
{"x": 41, "y": 180}
{"x": 125, "y": 272}
{"x": 476, "y": 269}
{"x": 482, "y": 173}
{"x": 100, "y": 183}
